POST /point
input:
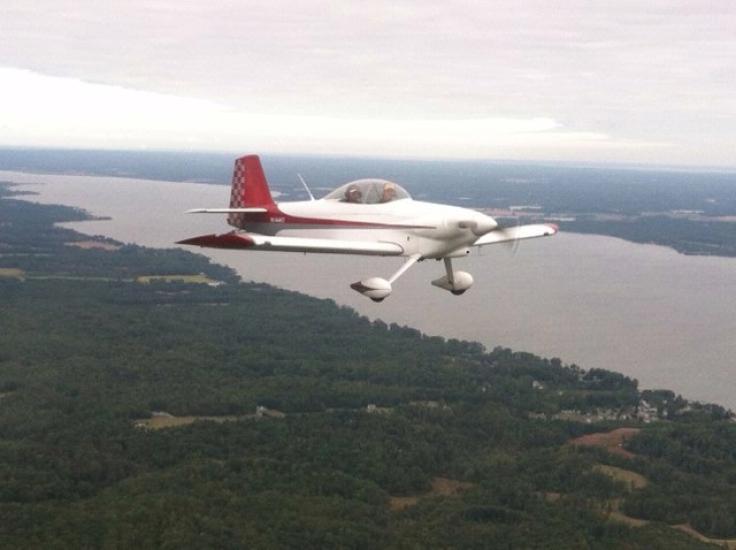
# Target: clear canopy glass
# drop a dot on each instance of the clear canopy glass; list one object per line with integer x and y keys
{"x": 368, "y": 191}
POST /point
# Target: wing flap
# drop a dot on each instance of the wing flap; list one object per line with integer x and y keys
{"x": 252, "y": 241}
{"x": 509, "y": 234}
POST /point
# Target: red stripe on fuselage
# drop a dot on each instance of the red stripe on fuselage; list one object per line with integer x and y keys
{"x": 277, "y": 217}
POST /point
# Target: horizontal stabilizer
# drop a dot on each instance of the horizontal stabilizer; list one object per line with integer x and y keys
{"x": 253, "y": 241}
{"x": 252, "y": 210}
{"x": 510, "y": 234}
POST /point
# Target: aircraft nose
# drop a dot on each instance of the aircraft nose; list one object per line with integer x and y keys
{"x": 479, "y": 224}
{"x": 483, "y": 224}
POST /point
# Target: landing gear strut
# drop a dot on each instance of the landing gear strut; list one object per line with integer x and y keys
{"x": 378, "y": 289}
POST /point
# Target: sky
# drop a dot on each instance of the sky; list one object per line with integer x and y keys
{"x": 630, "y": 81}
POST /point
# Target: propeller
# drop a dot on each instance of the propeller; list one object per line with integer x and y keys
{"x": 511, "y": 245}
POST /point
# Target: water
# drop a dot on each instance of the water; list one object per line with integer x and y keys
{"x": 646, "y": 311}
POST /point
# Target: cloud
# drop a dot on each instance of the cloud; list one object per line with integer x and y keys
{"x": 38, "y": 109}
{"x": 635, "y": 72}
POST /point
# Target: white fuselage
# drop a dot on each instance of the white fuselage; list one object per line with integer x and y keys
{"x": 372, "y": 217}
{"x": 428, "y": 229}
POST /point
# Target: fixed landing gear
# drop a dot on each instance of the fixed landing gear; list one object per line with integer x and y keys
{"x": 378, "y": 289}
{"x": 456, "y": 282}
{"x": 374, "y": 288}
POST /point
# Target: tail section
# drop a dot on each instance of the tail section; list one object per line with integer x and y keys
{"x": 249, "y": 188}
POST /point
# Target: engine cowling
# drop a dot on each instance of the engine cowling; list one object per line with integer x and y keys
{"x": 462, "y": 281}
{"x": 375, "y": 288}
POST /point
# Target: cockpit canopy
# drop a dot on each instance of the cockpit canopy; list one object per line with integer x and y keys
{"x": 368, "y": 191}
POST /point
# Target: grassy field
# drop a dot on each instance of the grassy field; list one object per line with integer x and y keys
{"x": 612, "y": 441}
{"x": 89, "y": 245}
{"x": 159, "y": 422}
{"x": 201, "y": 279}
{"x": 441, "y": 486}
{"x": 631, "y": 479}
{"x": 11, "y": 273}
{"x": 15, "y": 273}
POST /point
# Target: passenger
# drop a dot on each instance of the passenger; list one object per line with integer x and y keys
{"x": 389, "y": 192}
{"x": 353, "y": 194}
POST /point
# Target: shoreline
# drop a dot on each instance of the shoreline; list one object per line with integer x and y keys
{"x": 585, "y": 218}
{"x": 569, "y": 333}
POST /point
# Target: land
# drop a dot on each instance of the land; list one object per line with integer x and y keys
{"x": 138, "y": 415}
{"x": 612, "y": 441}
{"x": 94, "y": 244}
{"x": 693, "y": 234}
{"x": 12, "y": 273}
{"x": 440, "y": 486}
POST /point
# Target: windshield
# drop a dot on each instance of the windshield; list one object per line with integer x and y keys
{"x": 369, "y": 191}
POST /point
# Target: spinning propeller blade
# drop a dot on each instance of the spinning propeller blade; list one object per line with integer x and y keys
{"x": 511, "y": 245}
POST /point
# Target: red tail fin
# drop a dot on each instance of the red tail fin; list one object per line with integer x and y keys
{"x": 250, "y": 187}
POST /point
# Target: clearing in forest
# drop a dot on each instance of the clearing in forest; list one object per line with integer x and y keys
{"x": 441, "y": 486}
{"x": 612, "y": 441}
{"x": 11, "y": 273}
{"x": 201, "y": 279}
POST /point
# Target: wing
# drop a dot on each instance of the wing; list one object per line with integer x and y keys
{"x": 253, "y": 241}
{"x": 507, "y": 234}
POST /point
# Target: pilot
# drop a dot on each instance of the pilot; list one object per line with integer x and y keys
{"x": 389, "y": 192}
{"x": 353, "y": 194}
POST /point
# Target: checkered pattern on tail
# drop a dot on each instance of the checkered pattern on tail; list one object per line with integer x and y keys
{"x": 249, "y": 188}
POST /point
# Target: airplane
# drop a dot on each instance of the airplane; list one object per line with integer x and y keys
{"x": 372, "y": 217}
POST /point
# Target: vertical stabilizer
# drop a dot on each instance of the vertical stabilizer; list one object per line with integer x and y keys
{"x": 249, "y": 188}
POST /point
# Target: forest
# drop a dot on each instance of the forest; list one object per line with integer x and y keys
{"x": 705, "y": 238}
{"x": 238, "y": 415}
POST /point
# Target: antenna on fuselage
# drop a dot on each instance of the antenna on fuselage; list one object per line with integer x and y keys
{"x": 304, "y": 183}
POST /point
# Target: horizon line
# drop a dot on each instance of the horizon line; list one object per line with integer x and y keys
{"x": 600, "y": 164}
